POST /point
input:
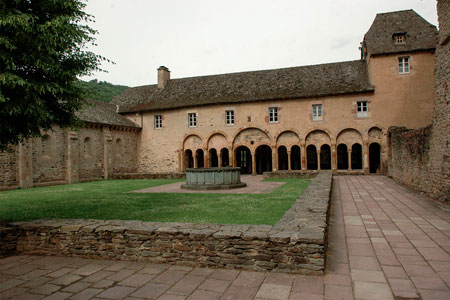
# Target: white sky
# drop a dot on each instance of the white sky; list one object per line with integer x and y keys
{"x": 205, "y": 37}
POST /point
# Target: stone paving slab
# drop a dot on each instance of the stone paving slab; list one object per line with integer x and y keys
{"x": 385, "y": 242}
{"x": 255, "y": 185}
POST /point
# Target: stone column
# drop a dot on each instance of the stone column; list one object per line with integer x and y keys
{"x": 253, "y": 163}
{"x": 219, "y": 157}
{"x": 349, "y": 153}
{"x": 274, "y": 158}
{"x": 195, "y": 159}
{"x": 303, "y": 157}
{"x": 182, "y": 156}
{"x": 289, "y": 160}
{"x": 333, "y": 157}
{"x": 107, "y": 153}
{"x": 365, "y": 156}
{"x": 231, "y": 157}
{"x": 318, "y": 160}
{"x": 206, "y": 163}
{"x": 72, "y": 157}
{"x": 26, "y": 164}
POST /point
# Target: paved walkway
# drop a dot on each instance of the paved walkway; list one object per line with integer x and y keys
{"x": 385, "y": 241}
{"x": 255, "y": 185}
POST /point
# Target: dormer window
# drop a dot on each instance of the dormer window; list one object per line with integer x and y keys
{"x": 399, "y": 38}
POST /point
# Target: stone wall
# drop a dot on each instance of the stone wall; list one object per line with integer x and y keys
{"x": 64, "y": 156}
{"x": 296, "y": 244}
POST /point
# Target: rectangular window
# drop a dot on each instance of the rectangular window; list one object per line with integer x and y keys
{"x": 399, "y": 38}
{"x": 158, "y": 121}
{"x": 273, "y": 114}
{"x": 317, "y": 112}
{"x": 229, "y": 117}
{"x": 362, "y": 108}
{"x": 192, "y": 120}
{"x": 403, "y": 65}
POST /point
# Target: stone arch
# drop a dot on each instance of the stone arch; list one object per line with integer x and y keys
{"x": 349, "y": 136}
{"x": 217, "y": 140}
{"x": 283, "y": 158}
{"x": 263, "y": 159}
{"x": 192, "y": 142}
{"x": 375, "y": 132}
{"x": 252, "y": 136}
{"x": 317, "y": 138}
{"x": 288, "y": 138}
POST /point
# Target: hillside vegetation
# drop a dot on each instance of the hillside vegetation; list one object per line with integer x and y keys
{"x": 101, "y": 90}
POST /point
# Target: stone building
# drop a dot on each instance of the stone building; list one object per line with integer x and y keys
{"x": 329, "y": 116}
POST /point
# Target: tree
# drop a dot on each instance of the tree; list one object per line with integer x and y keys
{"x": 42, "y": 51}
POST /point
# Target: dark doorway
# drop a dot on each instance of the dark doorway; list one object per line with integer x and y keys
{"x": 200, "y": 158}
{"x": 282, "y": 158}
{"x": 263, "y": 159}
{"x": 342, "y": 157}
{"x": 311, "y": 157}
{"x": 189, "y": 159}
{"x": 244, "y": 160}
{"x": 325, "y": 157}
{"x": 296, "y": 158}
{"x": 356, "y": 157}
{"x": 374, "y": 157}
{"x": 225, "y": 157}
{"x": 214, "y": 160}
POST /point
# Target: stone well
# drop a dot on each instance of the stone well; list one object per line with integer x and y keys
{"x": 213, "y": 179}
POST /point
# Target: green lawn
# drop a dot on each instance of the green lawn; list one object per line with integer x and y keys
{"x": 110, "y": 200}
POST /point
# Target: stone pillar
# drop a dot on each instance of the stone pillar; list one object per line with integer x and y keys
{"x": 219, "y": 157}
{"x": 289, "y": 160}
{"x": 231, "y": 157}
{"x": 318, "y": 160}
{"x": 72, "y": 157}
{"x": 349, "y": 153}
{"x": 26, "y": 164}
{"x": 194, "y": 155}
{"x": 303, "y": 157}
{"x": 333, "y": 157}
{"x": 274, "y": 158}
{"x": 107, "y": 153}
{"x": 253, "y": 163}
{"x": 182, "y": 156}
{"x": 365, "y": 156}
{"x": 206, "y": 163}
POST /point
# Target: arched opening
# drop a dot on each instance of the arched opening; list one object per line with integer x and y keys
{"x": 263, "y": 159}
{"x": 189, "y": 159}
{"x": 244, "y": 159}
{"x": 282, "y": 158}
{"x": 325, "y": 157}
{"x": 342, "y": 157}
{"x": 356, "y": 157}
{"x": 374, "y": 157}
{"x": 200, "y": 158}
{"x": 213, "y": 158}
{"x": 119, "y": 147}
{"x": 225, "y": 157}
{"x": 311, "y": 157}
{"x": 295, "y": 158}
{"x": 87, "y": 146}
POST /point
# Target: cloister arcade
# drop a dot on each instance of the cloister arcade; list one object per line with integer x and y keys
{"x": 256, "y": 151}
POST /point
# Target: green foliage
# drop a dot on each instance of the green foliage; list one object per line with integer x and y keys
{"x": 42, "y": 51}
{"x": 112, "y": 199}
{"x": 101, "y": 90}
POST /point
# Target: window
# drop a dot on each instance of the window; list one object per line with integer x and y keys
{"x": 362, "y": 108}
{"x": 399, "y": 38}
{"x": 317, "y": 112}
{"x": 229, "y": 117}
{"x": 158, "y": 121}
{"x": 273, "y": 114}
{"x": 403, "y": 65}
{"x": 192, "y": 120}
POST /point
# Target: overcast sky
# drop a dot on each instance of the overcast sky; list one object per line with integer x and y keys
{"x": 205, "y": 37}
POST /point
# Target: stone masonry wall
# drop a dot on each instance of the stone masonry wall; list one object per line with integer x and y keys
{"x": 9, "y": 167}
{"x": 296, "y": 244}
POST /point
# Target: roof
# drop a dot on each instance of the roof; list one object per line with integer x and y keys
{"x": 103, "y": 113}
{"x": 420, "y": 35}
{"x": 287, "y": 83}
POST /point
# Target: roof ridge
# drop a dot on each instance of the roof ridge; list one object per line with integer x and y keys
{"x": 396, "y": 11}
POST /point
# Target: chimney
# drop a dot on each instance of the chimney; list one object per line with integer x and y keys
{"x": 163, "y": 77}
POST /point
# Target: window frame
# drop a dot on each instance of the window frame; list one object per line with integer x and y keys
{"x": 404, "y": 65}
{"x": 192, "y": 120}
{"x": 364, "y": 112}
{"x": 157, "y": 121}
{"x": 316, "y": 109}
{"x": 229, "y": 117}
{"x": 273, "y": 114}
{"x": 399, "y": 39}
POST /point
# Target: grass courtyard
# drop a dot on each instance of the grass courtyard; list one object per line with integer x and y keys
{"x": 111, "y": 200}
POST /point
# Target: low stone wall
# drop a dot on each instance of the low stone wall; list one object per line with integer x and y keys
{"x": 290, "y": 174}
{"x": 296, "y": 244}
{"x": 168, "y": 175}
